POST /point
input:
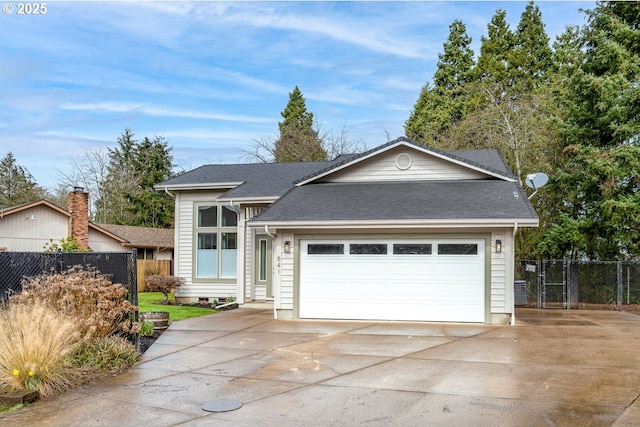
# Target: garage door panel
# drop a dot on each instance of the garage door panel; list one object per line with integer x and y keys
{"x": 392, "y": 286}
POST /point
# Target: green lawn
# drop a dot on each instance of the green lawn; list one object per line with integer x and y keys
{"x": 150, "y": 301}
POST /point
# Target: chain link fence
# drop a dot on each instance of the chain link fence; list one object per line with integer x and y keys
{"x": 579, "y": 284}
{"x": 120, "y": 267}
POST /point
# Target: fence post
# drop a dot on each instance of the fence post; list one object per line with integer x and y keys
{"x": 619, "y": 285}
{"x": 572, "y": 284}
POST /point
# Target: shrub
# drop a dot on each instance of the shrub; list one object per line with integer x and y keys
{"x": 164, "y": 284}
{"x": 99, "y": 308}
{"x": 112, "y": 353}
{"x": 35, "y": 345}
{"x": 68, "y": 244}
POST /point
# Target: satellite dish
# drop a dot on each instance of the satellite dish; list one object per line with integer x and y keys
{"x": 535, "y": 181}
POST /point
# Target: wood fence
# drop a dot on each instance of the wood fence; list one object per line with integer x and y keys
{"x": 149, "y": 267}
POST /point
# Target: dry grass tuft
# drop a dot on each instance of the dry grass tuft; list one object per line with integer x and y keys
{"x": 35, "y": 345}
{"x": 98, "y": 307}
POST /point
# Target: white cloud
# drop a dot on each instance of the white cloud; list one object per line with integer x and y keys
{"x": 151, "y": 110}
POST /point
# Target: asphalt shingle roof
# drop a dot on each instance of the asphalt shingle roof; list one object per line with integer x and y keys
{"x": 258, "y": 179}
{"x": 419, "y": 200}
{"x": 142, "y": 236}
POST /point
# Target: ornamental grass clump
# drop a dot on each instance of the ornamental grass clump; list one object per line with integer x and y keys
{"x": 99, "y": 307}
{"x": 109, "y": 354}
{"x": 36, "y": 343}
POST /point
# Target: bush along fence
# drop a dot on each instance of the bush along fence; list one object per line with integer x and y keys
{"x": 573, "y": 284}
{"x": 120, "y": 267}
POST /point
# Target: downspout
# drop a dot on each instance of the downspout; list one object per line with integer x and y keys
{"x": 273, "y": 236}
{"x": 513, "y": 310}
{"x": 166, "y": 190}
{"x": 266, "y": 230}
{"x": 235, "y": 209}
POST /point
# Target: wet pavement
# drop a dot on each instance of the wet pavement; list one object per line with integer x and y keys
{"x": 553, "y": 368}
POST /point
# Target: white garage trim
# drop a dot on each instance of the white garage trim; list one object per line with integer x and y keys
{"x": 387, "y": 278}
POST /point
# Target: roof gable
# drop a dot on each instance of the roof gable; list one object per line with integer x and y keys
{"x": 16, "y": 209}
{"x": 46, "y": 204}
{"x": 404, "y": 160}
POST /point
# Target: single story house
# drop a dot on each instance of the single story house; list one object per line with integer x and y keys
{"x": 400, "y": 232}
{"x": 150, "y": 243}
{"x": 32, "y": 226}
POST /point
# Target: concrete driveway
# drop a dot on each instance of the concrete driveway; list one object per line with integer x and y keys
{"x": 554, "y": 368}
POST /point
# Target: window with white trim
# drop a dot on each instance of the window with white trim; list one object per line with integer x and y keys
{"x": 216, "y": 242}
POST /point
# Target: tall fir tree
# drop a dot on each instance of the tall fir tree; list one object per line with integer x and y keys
{"x": 298, "y": 140}
{"x": 495, "y": 50}
{"x": 153, "y": 164}
{"x": 134, "y": 168}
{"x": 17, "y": 186}
{"x": 531, "y": 56}
{"x": 597, "y": 202}
{"x": 603, "y": 96}
{"x": 441, "y": 106}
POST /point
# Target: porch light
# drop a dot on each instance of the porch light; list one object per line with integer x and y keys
{"x": 287, "y": 246}
{"x": 498, "y": 246}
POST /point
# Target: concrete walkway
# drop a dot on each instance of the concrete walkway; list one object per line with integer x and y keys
{"x": 554, "y": 368}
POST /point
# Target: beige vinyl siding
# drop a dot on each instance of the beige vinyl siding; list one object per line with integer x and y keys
{"x": 423, "y": 167}
{"x": 286, "y": 272}
{"x": 19, "y": 234}
{"x": 500, "y": 291}
{"x": 184, "y": 250}
{"x": 164, "y": 255}
{"x": 99, "y": 242}
{"x": 249, "y": 249}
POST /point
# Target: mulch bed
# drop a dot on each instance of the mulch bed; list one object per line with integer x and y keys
{"x": 146, "y": 341}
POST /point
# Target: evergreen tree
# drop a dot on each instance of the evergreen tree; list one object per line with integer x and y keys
{"x": 298, "y": 141}
{"x": 442, "y": 106}
{"x": 495, "y": 50}
{"x": 120, "y": 183}
{"x": 596, "y": 188}
{"x": 134, "y": 168}
{"x": 153, "y": 163}
{"x": 17, "y": 186}
{"x": 603, "y": 97}
{"x": 530, "y": 58}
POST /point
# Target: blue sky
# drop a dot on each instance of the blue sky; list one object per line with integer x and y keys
{"x": 212, "y": 77}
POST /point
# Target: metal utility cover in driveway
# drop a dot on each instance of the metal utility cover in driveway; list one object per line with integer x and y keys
{"x": 221, "y": 405}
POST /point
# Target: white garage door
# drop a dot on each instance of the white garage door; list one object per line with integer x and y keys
{"x": 430, "y": 280}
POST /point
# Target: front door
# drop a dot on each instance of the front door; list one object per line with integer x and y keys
{"x": 263, "y": 265}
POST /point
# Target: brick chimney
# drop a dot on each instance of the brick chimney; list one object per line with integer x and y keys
{"x": 78, "y": 205}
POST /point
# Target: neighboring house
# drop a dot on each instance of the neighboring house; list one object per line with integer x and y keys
{"x": 151, "y": 243}
{"x": 29, "y": 227}
{"x": 401, "y": 232}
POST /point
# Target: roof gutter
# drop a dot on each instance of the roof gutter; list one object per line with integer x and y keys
{"x": 440, "y": 223}
{"x": 204, "y": 186}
